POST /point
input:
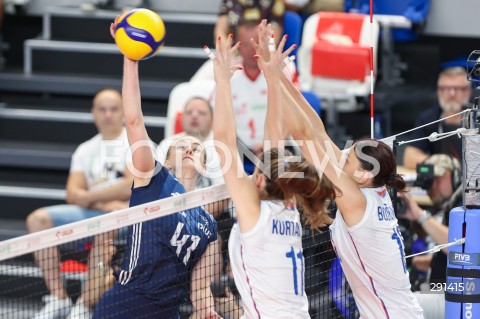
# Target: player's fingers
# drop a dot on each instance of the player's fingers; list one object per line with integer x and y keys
{"x": 269, "y": 30}
{"x": 235, "y": 47}
{"x": 263, "y": 29}
{"x": 229, "y": 41}
{"x": 288, "y": 59}
{"x": 208, "y": 52}
{"x": 218, "y": 45}
{"x": 271, "y": 45}
{"x": 281, "y": 45}
{"x": 259, "y": 59}
{"x": 236, "y": 67}
{"x": 289, "y": 50}
{"x": 254, "y": 44}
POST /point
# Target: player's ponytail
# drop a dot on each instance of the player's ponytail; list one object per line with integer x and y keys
{"x": 299, "y": 180}
{"x": 395, "y": 181}
{"x": 378, "y": 157}
{"x": 313, "y": 192}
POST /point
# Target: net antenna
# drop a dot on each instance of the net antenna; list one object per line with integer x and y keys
{"x": 471, "y": 139}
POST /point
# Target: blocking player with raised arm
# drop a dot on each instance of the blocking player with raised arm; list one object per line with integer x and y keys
{"x": 365, "y": 231}
{"x": 164, "y": 254}
{"x": 265, "y": 245}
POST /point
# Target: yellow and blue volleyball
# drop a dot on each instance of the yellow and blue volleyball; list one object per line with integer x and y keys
{"x": 139, "y": 33}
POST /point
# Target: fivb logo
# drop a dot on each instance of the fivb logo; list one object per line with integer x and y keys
{"x": 464, "y": 259}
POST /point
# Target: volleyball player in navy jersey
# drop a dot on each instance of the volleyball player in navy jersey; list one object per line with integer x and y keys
{"x": 365, "y": 232}
{"x": 163, "y": 255}
{"x": 265, "y": 245}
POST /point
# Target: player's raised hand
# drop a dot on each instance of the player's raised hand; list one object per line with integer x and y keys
{"x": 113, "y": 25}
{"x": 264, "y": 32}
{"x": 224, "y": 62}
{"x": 277, "y": 58}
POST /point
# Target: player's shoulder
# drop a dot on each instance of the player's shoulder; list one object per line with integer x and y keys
{"x": 204, "y": 215}
{"x": 271, "y": 206}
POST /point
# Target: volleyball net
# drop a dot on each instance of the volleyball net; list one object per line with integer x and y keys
{"x": 81, "y": 258}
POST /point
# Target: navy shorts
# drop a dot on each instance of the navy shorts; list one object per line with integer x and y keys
{"x": 121, "y": 302}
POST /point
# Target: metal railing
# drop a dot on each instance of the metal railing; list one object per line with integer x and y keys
{"x": 102, "y": 48}
{"x": 66, "y": 116}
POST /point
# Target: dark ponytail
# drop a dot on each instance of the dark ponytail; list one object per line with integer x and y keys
{"x": 373, "y": 150}
{"x": 396, "y": 181}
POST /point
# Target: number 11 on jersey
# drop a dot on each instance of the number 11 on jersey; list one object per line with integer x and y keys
{"x": 291, "y": 254}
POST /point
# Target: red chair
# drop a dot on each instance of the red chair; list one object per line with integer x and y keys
{"x": 334, "y": 58}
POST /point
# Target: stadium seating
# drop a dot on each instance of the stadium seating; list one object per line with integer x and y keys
{"x": 414, "y": 10}
{"x": 334, "y": 58}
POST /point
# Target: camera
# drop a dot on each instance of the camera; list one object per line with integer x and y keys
{"x": 425, "y": 176}
{"x": 398, "y": 202}
{"x": 476, "y": 69}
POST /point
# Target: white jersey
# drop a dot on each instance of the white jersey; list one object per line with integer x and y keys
{"x": 268, "y": 264}
{"x": 373, "y": 259}
{"x": 250, "y": 106}
{"x": 249, "y": 97}
{"x": 101, "y": 161}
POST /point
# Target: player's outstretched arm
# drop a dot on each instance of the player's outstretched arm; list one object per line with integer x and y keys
{"x": 351, "y": 201}
{"x": 243, "y": 191}
{"x": 142, "y": 155}
{"x": 289, "y": 91}
{"x": 266, "y": 55}
{"x": 202, "y": 276}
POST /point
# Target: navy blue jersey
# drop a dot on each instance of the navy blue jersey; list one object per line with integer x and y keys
{"x": 162, "y": 252}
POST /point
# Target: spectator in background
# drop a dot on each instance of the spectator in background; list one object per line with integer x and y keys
{"x": 249, "y": 87}
{"x": 98, "y": 183}
{"x": 445, "y": 191}
{"x": 453, "y": 92}
{"x": 233, "y": 12}
{"x": 197, "y": 120}
{"x": 249, "y": 92}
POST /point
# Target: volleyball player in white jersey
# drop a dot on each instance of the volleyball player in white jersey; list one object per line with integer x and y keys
{"x": 265, "y": 245}
{"x": 365, "y": 232}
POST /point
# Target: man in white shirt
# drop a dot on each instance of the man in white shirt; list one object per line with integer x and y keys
{"x": 249, "y": 92}
{"x": 99, "y": 182}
